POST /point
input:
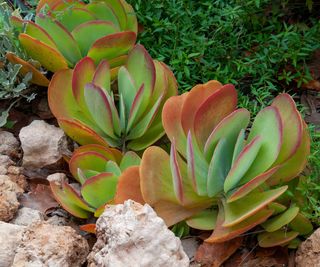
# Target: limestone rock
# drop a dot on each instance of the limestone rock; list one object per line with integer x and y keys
{"x": 9, "y": 145}
{"x": 133, "y": 235}
{"x": 10, "y": 237}
{"x": 308, "y": 253}
{"x": 46, "y": 245}
{"x": 26, "y": 216}
{"x": 42, "y": 144}
{"x": 9, "y": 192}
{"x": 16, "y": 175}
{"x": 5, "y": 162}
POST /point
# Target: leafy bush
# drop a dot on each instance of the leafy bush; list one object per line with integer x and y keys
{"x": 251, "y": 44}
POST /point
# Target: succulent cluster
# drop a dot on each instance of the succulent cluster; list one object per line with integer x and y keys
{"x": 97, "y": 169}
{"x": 224, "y": 172}
{"x": 66, "y": 31}
{"x": 90, "y": 112}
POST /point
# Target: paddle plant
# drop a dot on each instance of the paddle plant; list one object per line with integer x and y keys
{"x": 66, "y": 31}
{"x": 92, "y": 109}
{"x": 224, "y": 171}
{"x": 97, "y": 170}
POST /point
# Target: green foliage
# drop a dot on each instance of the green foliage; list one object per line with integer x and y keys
{"x": 12, "y": 85}
{"x": 251, "y": 44}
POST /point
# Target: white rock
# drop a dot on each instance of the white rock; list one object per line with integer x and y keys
{"x": 5, "y": 162}
{"x": 42, "y": 144}
{"x": 26, "y": 216}
{"x": 133, "y": 235}
{"x": 9, "y": 192}
{"x": 308, "y": 253}
{"x": 9, "y": 145}
{"x": 10, "y": 237}
{"x": 45, "y": 245}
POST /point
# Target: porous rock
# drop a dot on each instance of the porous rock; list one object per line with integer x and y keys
{"x": 308, "y": 253}
{"x": 16, "y": 175}
{"x": 10, "y": 237}
{"x": 9, "y": 193}
{"x": 42, "y": 144}
{"x": 5, "y": 162}
{"x": 133, "y": 235}
{"x": 45, "y": 245}
{"x": 26, "y": 216}
{"x": 9, "y": 145}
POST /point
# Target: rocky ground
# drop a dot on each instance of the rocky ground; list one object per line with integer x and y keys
{"x": 36, "y": 232}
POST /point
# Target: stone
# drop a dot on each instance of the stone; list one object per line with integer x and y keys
{"x": 133, "y": 235}
{"x": 9, "y": 193}
{"x": 42, "y": 144}
{"x": 5, "y": 162}
{"x": 9, "y": 145}
{"x": 46, "y": 245}
{"x": 16, "y": 175}
{"x": 308, "y": 253}
{"x": 26, "y": 216}
{"x": 190, "y": 246}
{"x": 10, "y": 238}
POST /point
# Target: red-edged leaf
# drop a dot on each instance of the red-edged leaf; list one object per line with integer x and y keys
{"x": 291, "y": 124}
{"x": 222, "y": 234}
{"x": 99, "y": 189}
{"x": 37, "y": 77}
{"x": 35, "y": 31}
{"x": 193, "y": 101}
{"x": 277, "y": 238}
{"x": 112, "y": 46}
{"x": 49, "y": 57}
{"x": 75, "y": 17}
{"x": 212, "y": 111}
{"x": 249, "y": 205}
{"x": 80, "y": 132}
{"x": 176, "y": 174}
{"x": 129, "y": 186}
{"x": 102, "y": 77}
{"x": 89, "y": 228}
{"x": 87, "y": 33}
{"x": 251, "y": 185}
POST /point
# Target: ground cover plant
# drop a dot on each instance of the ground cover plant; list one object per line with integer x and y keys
{"x": 218, "y": 169}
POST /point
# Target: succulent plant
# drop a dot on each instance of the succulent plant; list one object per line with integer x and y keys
{"x": 90, "y": 112}
{"x": 97, "y": 169}
{"x": 67, "y": 31}
{"x": 223, "y": 172}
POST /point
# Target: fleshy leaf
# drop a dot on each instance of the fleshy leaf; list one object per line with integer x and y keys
{"x": 301, "y": 224}
{"x": 99, "y": 189}
{"x": 193, "y": 100}
{"x": 40, "y": 34}
{"x": 129, "y": 186}
{"x": 81, "y": 133}
{"x": 222, "y": 234}
{"x": 176, "y": 174}
{"x": 251, "y": 185}
{"x": 129, "y": 159}
{"x": 102, "y": 77}
{"x": 242, "y": 164}
{"x": 279, "y": 221}
{"x": 205, "y": 220}
{"x": 268, "y": 126}
{"x": 292, "y": 126}
{"x": 75, "y": 17}
{"x": 228, "y": 128}
{"x": 37, "y": 77}
{"x": 295, "y": 165}
{"x": 112, "y": 46}
{"x": 218, "y": 168}
{"x": 99, "y": 108}
{"x": 62, "y": 38}
{"x": 69, "y": 200}
{"x": 87, "y": 33}
{"x": 240, "y": 143}
{"x": 250, "y": 204}
{"x": 49, "y": 57}
{"x": 277, "y": 238}
{"x": 89, "y": 160}
{"x": 212, "y": 111}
